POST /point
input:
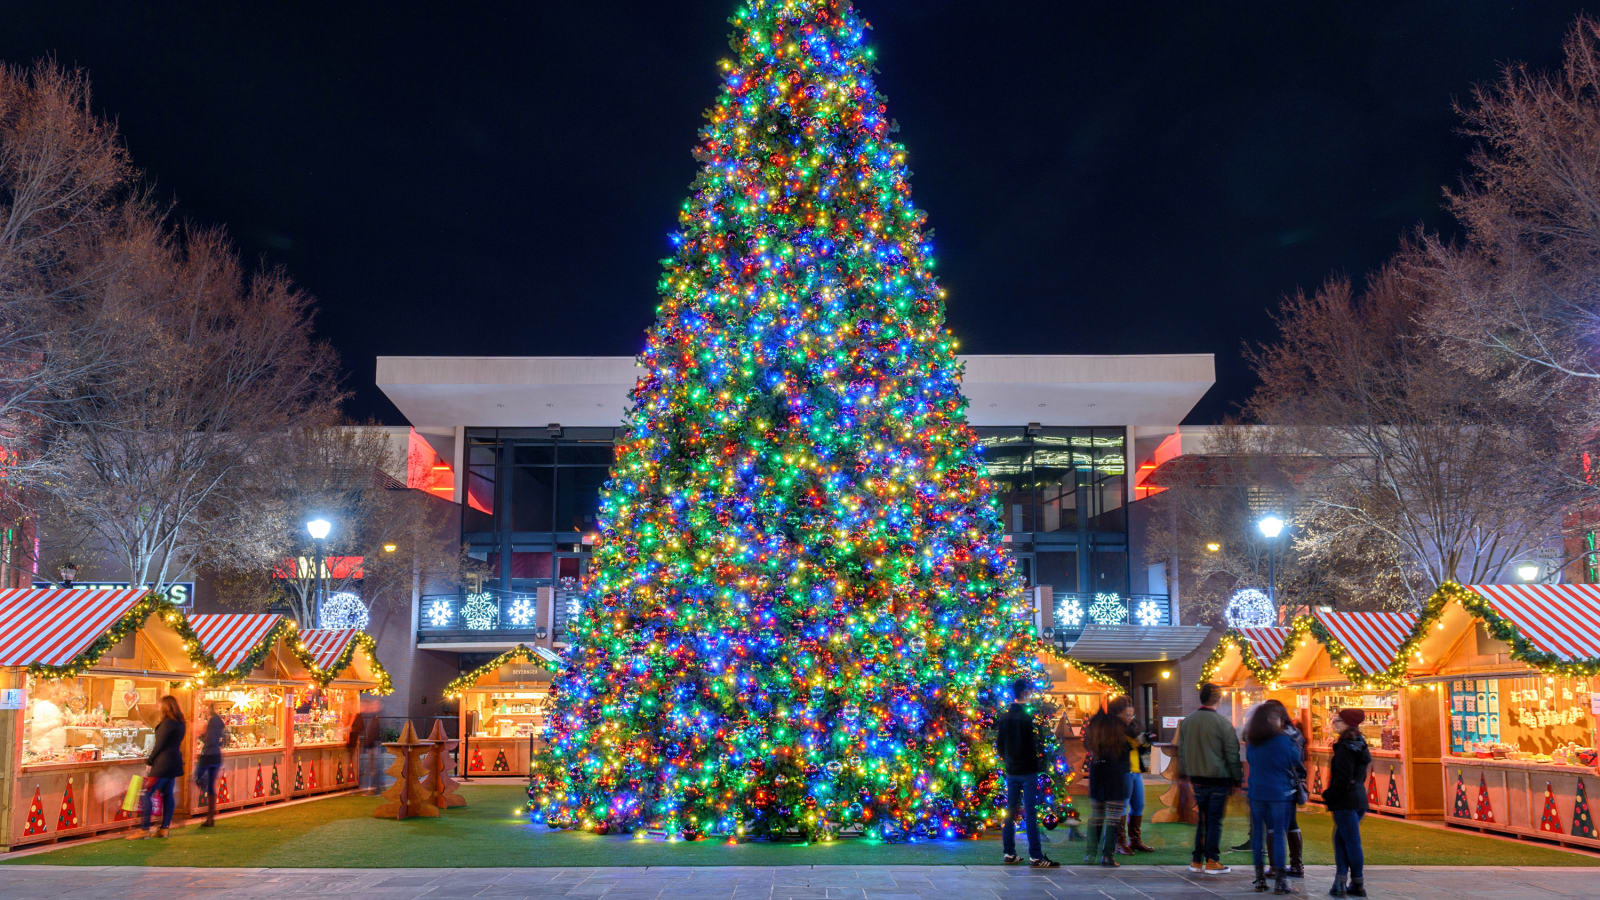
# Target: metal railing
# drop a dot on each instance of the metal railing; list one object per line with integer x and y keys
{"x": 1072, "y": 611}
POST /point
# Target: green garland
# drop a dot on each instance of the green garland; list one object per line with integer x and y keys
{"x": 1265, "y": 671}
{"x": 519, "y": 653}
{"x": 130, "y": 622}
{"x": 1093, "y": 673}
{"x": 1394, "y": 673}
{"x": 257, "y": 654}
{"x": 1521, "y": 648}
{"x": 323, "y": 677}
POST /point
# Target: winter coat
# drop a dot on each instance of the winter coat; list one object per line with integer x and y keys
{"x": 1347, "y": 774}
{"x": 1016, "y": 742}
{"x": 166, "y": 757}
{"x": 211, "y": 741}
{"x": 1208, "y": 749}
{"x": 1274, "y": 767}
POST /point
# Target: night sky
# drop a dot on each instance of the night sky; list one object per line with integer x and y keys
{"x": 500, "y": 179}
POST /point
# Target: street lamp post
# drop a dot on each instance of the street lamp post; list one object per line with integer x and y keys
{"x": 318, "y": 529}
{"x": 1271, "y": 526}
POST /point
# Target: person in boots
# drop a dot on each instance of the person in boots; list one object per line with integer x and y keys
{"x": 1018, "y": 747}
{"x": 164, "y": 766}
{"x": 1106, "y": 740}
{"x": 1294, "y": 839}
{"x": 209, "y": 762}
{"x": 1273, "y": 759}
{"x": 1346, "y": 800}
{"x": 1208, "y": 755}
{"x": 1131, "y": 839}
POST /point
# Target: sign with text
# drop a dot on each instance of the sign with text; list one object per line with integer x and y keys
{"x": 524, "y": 671}
{"x": 1171, "y": 721}
{"x": 13, "y": 698}
{"x": 181, "y": 593}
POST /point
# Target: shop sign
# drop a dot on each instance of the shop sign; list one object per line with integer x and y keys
{"x": 13, "y": 698}
{"x": 523, "y": 671}
{"x": 1171, "y": 721}
{"x": 181, "y": 593}
{"x": 1302, "y": 700}
{"x": 1594, "y": 704}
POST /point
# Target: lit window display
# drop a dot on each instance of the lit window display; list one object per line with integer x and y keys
{"x": 511, "y": 713}
{"x": 252, "y": 715}
{"x": 89, "y": 718}
{"x": 1537, "y": 718}
{"x": 323, "y": 717}
{"x": 1381, "y": 727}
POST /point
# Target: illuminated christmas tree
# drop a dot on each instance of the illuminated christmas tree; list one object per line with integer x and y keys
{"x": 1485, "y": 810}
{"x": 68, "y": 817}
{"x": 1462, "y": 810}
{"x": 799, "y": 617}
{"x": 1551, "y": 820}
{"x": 258, "y": 790}
{"x": 35, "y": 817}
{"x": 1582, "y": 819}
{"x": 1393, "y": 797}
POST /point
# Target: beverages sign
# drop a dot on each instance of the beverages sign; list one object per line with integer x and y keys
{"x": 181, "y": 593}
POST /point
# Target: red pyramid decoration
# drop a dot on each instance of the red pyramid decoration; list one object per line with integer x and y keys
{"x": 1372, "y": 790}
{"x": 1462, "y": 810}
{"x": 68, "y": 818}
{"x": 1551, "y": 820}
{"x": 338, "y": 774}
{"x": 1485, "y": 810}
{"x": 477, "y": 760}
{"x": 223, "y": 796}
{"x": 311, "y": 778}
{"x": 1582, "y": 818}
{"x": 259, "y": 789}
{"x": 35, "y": 817}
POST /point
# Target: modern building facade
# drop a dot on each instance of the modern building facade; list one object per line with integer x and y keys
{"x": 524, "y": 444}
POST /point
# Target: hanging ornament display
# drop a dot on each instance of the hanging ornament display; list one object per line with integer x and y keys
{"x": 343, "y": 610}
{"x": 1250, "y": 608}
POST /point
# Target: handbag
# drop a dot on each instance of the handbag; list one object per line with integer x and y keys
{"x": 130, "y": 800}
{"x": 1301, "y": 796}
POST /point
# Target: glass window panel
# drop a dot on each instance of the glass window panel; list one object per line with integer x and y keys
{"x": 482, "y": 454}
{"x": 1059, "y": 570}
{"x": 533, "y": 455}
{"x": 1011, "y": 471}
{"x": 586, "y": 454}
{"x": 1108, "y": 570}
{"x": 478, "y": 514}
{"x": 532, "y": 498}
{"x": 578, "y": 496}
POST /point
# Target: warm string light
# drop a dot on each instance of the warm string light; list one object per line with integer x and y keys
{"x": 799, "y": 615}
{"x": 519, "y": 653}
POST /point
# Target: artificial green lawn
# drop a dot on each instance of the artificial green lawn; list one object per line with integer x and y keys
{"x": 340, "y": 831}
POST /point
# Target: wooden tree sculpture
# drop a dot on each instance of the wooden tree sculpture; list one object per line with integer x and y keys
{"x": 1179, "y": 795}
{"x": 444, "y": 787}
{"x": 410, "y": 795}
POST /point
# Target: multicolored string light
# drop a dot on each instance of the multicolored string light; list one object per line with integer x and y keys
{"x": 799, "y": 615}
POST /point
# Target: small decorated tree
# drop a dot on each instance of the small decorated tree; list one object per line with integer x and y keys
{"x": 35, "y": 817}
{"x": 1372, "y": 790}
{"x": 1551, "y": 820}
{"x": 500, "y": 762}
{"x": 1582, "y": 819}
{"x": 223, "y": 794}
{"x": 477, "y": 760}
{"x": 1485, "y": 809}
{"x": 69, "y": 810}
{"x": 1393, "y": 798}
{"x": 260, "y": 789}
{"x": 299, "y": 775}
{"x": 275, "y": 788}
{"x": 1462, "y": 809}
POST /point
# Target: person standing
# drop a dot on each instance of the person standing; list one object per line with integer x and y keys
{"x": 209, "y": 762}
{"x": 1273, "y": 759}
{"x": 1131, "y": 839}
{"x": 1346, "y": 800}
{"x": 1018, "y": 747}
{"x": 1208, "y": 755}
{"x": 1106, "y": 740}
{"x": 1295, "y": 840}
{"x": 163, "y": 767}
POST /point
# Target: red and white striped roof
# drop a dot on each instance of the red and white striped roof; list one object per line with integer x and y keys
{"x": 54, "y": 626}
{"x": 1560, "y": 619}
{"x": 229, "y": 638}
{"x": 1266, "y": 641}
{"x": 1372, "y": 639}
{"x": 326, "y": 644}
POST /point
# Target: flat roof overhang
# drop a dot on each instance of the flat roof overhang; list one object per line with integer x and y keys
{"x": 443, "y": 392}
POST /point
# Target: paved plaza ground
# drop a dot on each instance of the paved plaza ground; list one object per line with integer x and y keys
{"x": 765, "y": 882}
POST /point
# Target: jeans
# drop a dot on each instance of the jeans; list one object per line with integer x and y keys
{"x": 1347, "y": 857}
{"x": 1022, "y": 796}
{"x": 1135, "y": 794}
{"x": 205, "y": 777}
{"x": 1211, "y": 802}
{"x": 1104, "y": 817}
{"x": 164, "y": 786}
{"x": 1269, "y": 823}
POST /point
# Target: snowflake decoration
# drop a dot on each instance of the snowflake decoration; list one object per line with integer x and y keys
{"x": 439, "y": 613}
{"x": 1148, "y": 613}
{"x": 479, "y": 612}
{"x": 1070, "y": 613}
{"x": 1249, "y": 608}
{"x": 1108, "y": 609}
{"x": 342, "y": 610}
{"x": 520, "y": 612}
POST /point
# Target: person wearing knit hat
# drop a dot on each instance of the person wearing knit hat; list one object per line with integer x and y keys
{"x": 1346, "y": 800}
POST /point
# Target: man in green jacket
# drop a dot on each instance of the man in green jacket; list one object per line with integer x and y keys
{"x": 1208, "y": 755}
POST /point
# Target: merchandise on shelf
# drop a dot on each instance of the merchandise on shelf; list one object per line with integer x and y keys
{"x": 1381, "y": 727}
{"x": 511, "y": 713}
{"x": 251, "y": 715}
{"x": 1534, "y": 718}
{"x": 323, "y": 717}
{"x": 89, "y": 718}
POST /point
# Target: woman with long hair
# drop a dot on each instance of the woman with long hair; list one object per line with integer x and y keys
{"x": 164, "y": 766}
{"x": 1295, "y": 841}
{"x": 1274, "y": 760}
{"x": 1106, "y": 741}
{"x": 1346, "y": 799}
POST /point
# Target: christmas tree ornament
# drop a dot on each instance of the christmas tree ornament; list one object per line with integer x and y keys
{"x": 343, "y": 610}
{"x": 799, "y": 531}
{"x": 1250, "y": 608}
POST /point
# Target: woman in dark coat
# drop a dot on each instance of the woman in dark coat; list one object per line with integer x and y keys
{"x": 165, "y": 767}
{"x": 1346, "y": 799}
{"x": 1106, "y": 741}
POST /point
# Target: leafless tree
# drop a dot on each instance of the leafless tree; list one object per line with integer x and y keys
{"x": 1426, "y": 470}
